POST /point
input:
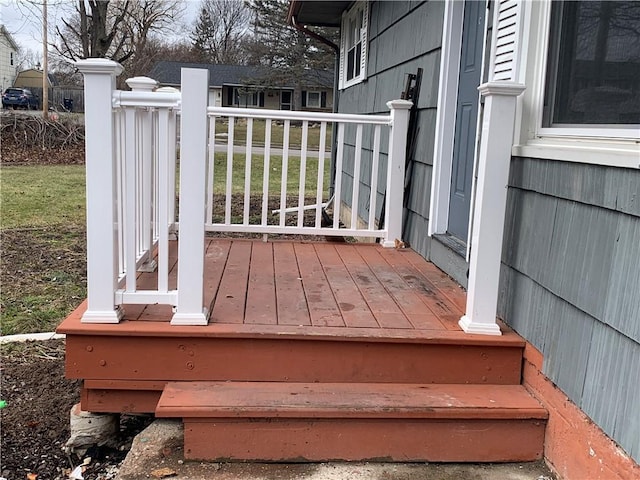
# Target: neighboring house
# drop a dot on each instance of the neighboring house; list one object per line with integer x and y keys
{"x": 8, "y": 58}
{"x": 569, "y": 279}
{"x": 31, "y": 78}
{"x": 248, "y": 86}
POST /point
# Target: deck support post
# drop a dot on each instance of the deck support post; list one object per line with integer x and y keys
{"x": 396, "y": 166}
{"x": 193, "y": 161}
{"x": 102, "y": 243}
{"x": 489, "y": 211}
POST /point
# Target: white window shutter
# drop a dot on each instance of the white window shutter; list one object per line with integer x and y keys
{"x": 343, "y": 52}
{"x": 506, "y": 33}
{"x": 364, "y": 39}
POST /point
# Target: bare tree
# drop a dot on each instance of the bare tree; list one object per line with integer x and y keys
{"x": 114, "y": 29}
{"x": 220, "y": 31}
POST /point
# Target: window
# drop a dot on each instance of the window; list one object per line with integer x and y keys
{"x": 313, "y": 99}
{"x": 12, "y": 59}
{"x": 593, "y": 64}
{"x": 353, "y": 48}
{"x": 579, "y": 62}
{"x": 245, "y": 97}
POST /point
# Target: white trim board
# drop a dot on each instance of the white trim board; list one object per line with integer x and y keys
{"x": 446, "y": 117}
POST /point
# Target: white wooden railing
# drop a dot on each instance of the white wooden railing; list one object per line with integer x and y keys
{"x": 132, "y": 158}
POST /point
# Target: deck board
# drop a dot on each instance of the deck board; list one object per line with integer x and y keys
{"x": 261, "y": 295}
{"x": 292, "y": 304}
{"x": 318, "y": 285}
{"x": 323, "y": 308}
{"x": 229, "y": 305}
{"x": 354, "y": 308}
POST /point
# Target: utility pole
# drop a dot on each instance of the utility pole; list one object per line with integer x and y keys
{"x": 45, "y": 64}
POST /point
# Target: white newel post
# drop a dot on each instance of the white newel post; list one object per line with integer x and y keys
{"x": 395, "y": 175}
{"x": 102, "y": 260}
{"x": 193, "y": 161}
{"x": 490, "y": 204}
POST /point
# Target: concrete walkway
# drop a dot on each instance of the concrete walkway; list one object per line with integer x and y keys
{"x": 158, "y": 450}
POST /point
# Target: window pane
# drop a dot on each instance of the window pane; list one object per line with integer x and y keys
{"x": 357, "y": 59}
{"x": 313, "y": 99}
{"x": 350, "y": 60}
{"x": 594, "y": 63}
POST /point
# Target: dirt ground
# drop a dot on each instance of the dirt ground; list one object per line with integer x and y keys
{"x": 35, "y": 421}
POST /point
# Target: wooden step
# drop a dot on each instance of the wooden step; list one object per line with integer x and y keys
{"x": 279, "y": 421}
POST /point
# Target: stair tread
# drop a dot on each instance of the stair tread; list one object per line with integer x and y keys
{"x": 346, "y": 400}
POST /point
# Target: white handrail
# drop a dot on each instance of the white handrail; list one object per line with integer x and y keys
{"x": 264, "y": 114}
{"x": 132, "y": 159}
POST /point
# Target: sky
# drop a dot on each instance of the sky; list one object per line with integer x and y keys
{"x": 23, "y": 19}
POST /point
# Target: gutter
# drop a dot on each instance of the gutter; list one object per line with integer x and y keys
{"x": 291, "y": 20}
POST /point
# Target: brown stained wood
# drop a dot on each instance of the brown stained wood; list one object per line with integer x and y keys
{"x": 354, "y": 308}
{"x": 431, "y": 294}
{"x": 383, "y": 306}
{"x": 291, "y": 301}
{"x": 323, "y": 308}
{"x": 261, "y": 294}
{"x": 119, "y": 401}
{"x": 216, "y": 255}
{"x": 345, "y": 401}
{"x": 389, "y": 440}
{"x": 72, "y": 326}
{"x": 296, "y": 359}
{"x": 408, "y": 300}
{"x": 439, "y": 279}
{"x": 230, "y": 300}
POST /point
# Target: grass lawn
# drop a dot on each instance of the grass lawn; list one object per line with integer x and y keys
{"x": 277, "y": 134}
{"x": 43, "y": 246}
{"x": 275, "y": 174}
{"x": 42, "y": 195}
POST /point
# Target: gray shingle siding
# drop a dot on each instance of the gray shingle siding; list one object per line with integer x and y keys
{"x": 403, "y": 36}
{"x": 570, "y": 283}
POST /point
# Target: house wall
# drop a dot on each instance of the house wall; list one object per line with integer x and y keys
{"x": 7, "y": 71}
{"x": 570, "y": 284}
{"x": 402, "y": 37}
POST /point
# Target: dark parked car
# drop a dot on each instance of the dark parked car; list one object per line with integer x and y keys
{"x": 19, "y": 98}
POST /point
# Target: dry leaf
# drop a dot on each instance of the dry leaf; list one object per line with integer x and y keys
{"x": 32, "y": 476}
{"x": 163, "y": 473}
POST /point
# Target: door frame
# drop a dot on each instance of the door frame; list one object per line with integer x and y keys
{"x": 446, "y": 120}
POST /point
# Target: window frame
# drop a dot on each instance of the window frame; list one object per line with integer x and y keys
{"x": 594, "y": 144}
{"x": 358, "y": 9}
{"x": 316, "y": 92}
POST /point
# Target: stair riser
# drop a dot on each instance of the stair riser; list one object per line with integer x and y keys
{"x": 185, "y": 359}
{"x": 297, "y": 440}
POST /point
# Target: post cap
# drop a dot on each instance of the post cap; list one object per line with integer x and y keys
{"x": 141, "y": 84}
{"x": 400, "y": 104}
{"x": 508, "y": 89}
{"x": 99, "y": 65}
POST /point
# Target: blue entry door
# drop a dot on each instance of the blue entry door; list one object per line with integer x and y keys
{"x": 466, "y": 118}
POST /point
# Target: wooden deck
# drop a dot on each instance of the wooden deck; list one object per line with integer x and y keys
{"x": 316, "y": 289}
{"x": 292, "y": 317}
